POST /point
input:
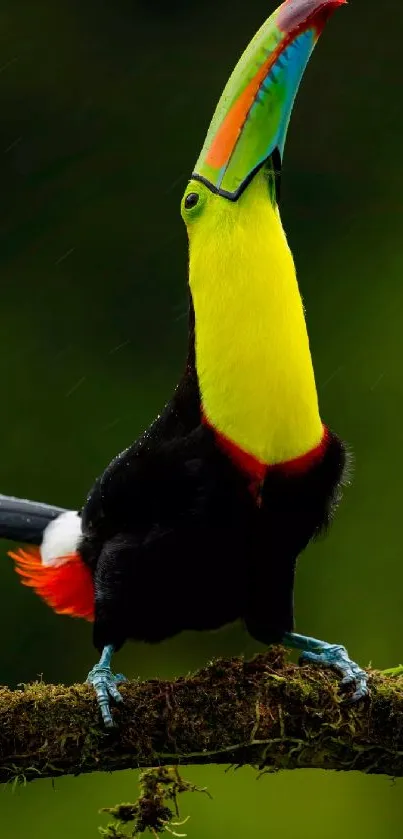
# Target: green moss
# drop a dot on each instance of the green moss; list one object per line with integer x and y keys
{"x": 394, "y": 671}
{"x": 158, "y": 787}
{"x": 265, "y": 712}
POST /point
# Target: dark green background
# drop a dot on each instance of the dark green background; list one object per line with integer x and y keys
{"x": 104, "y": 106}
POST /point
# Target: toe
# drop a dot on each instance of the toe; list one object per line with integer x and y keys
{"x": 347, "y": 682}
{"x": 356, "y": 678}
{"x": 104, "y": 683}
{"x": 114, "y": 693}
{"x": 311, "y": 658}
{"x": 336, "y": 657}
{"x": 106, "y": 715}
{"x": 357, "y": 696}
{"x": 102, "y": 695}
{"x": 360, "y": 682}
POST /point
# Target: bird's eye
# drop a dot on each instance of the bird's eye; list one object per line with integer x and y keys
{"x": 191, "y": 200}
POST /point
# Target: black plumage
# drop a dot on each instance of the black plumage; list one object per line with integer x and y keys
{"x": 176, "y": 540}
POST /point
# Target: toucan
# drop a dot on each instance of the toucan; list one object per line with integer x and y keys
{"x": 200, "y": 522}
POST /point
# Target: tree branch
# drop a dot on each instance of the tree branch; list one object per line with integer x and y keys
{"x": 266, "y": 713}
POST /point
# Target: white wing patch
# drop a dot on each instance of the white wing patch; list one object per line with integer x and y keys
{"x": 60, "y": 538}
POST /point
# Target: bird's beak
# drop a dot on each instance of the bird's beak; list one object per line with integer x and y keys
{"x": 251, "y": 119}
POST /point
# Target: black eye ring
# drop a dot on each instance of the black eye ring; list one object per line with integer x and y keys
{"x": 191, "y": 200}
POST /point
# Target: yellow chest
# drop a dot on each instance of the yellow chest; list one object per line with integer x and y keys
{"x": 252, "y": 351}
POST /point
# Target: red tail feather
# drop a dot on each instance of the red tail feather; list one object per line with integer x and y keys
{"x": 67, "y": 587}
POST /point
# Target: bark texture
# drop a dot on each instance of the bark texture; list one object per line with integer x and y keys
{"x": 266, "y": 712}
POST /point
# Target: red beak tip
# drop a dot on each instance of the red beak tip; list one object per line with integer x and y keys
{"x": 298, "y": 15}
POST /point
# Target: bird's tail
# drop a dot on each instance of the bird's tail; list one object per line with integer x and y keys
{"x": 55, "y": 570}
{"x": 25, "y": 521}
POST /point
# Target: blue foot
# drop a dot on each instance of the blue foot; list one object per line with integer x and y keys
{"x": 335, "y": 656}
{"x": 104, "y": 683}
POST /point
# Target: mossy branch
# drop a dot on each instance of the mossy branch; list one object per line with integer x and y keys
{"x": 266, "y": 712}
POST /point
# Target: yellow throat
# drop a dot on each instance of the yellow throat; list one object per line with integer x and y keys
{"x": 253, "y": 359}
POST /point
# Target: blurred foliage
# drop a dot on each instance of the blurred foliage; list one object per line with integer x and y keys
{"x": 104, "y": 108}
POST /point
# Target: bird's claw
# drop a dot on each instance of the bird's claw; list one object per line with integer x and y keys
{"x": 336, "y": 657}
{"x": 104, "y": 683}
